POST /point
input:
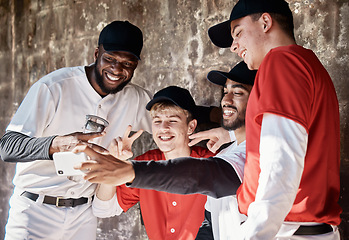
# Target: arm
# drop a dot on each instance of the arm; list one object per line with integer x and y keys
{"x": 216, "y": 136}
{"x": 209, "y": 176}
{"x": 18, "y": 147}
{"x": 105, "y": 203}
{"x": 205, "y": 230}
{"x": 281, "y": 171}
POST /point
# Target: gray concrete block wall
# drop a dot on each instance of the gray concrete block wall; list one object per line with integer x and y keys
{"x": 39, "y": 36}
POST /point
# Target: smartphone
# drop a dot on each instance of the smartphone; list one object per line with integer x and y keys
{"x": 65, "y": 162}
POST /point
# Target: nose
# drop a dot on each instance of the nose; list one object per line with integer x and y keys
{"x": 164, "y": 125}
{"x": 234, "y": 47}
{"x": 116, "y": 65}
{"x": 227, "y": 100}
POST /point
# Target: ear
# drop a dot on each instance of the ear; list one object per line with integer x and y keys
{"x": 267, "y": 21}
{"x": 191, "y": 126}
{"x": 96, "y": 53}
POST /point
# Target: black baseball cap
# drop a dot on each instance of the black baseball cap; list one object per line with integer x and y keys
{"x": 240, "y": 73}
{"x": 220, "y": 34}
{"x": 179, "y": 96}
{"x": 122, "y": 36}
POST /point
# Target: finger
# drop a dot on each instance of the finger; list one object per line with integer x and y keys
{"x": 126, "y": 154}
{"x": 113, "y": 147}
{"x": 89, "y": 152}
{"x": 83, "y": 166}
{"x": 198, "y": 135}
{"x": 195, "y": 141}
{"x": 199, "y": 139}
{"x": 94, "y": 176}
{"x": 88, "y": 136}
{"x": 212, "y": 146}
{"x": 95, "y": 147}
{"x": 127, "y": 131}
{"x": 92, "y": 179}
{"x": 119, "y": 146}
{"x": 79, "y": 148}
{"x": 136, "y": 135}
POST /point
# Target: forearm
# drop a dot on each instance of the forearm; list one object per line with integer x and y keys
{"x": 17, "y": 147}
{"x": 209, "y": 176}
{"x": 106, "y": 208}
{"x": 282, "y": 151}
{"x": 105, "y": 192}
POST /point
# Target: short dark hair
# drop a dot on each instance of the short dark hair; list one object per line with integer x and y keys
{"x": 285, "y": 22}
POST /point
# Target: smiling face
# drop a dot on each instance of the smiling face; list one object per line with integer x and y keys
{"x": 249, "y": 40}
{"x": 171, "y": 129}
{"x": 112, "y": 70}
{"x": 234, "y": 103}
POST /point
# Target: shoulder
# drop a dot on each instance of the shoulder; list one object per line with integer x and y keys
{"x": 62, "y": 75}
{"x": 292, "y": 53}
{"x": 234, "y": 151}
{"x": 136, "y": 90}
{"x": 200, "y": 152}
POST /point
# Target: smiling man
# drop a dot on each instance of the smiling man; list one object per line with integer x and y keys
{"x": 292, "y": 182}
{"x": 51, "y": 118}
{"x": 165, "y": 215}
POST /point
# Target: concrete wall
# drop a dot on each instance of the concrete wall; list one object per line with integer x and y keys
{"x": 39, "y": 36}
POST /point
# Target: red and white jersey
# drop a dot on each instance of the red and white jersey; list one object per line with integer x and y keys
{"x": 292, "y": 83}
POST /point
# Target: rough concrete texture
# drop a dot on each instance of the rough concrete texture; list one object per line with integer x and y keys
{"x": 39, "y": 36}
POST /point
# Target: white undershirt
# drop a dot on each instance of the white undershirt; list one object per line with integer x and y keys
{"x": 283, "y": 147}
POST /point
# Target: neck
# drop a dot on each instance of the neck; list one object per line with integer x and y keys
{"x": 177, "y": 153}
{"x": 91, "y": 76}
{"x": 90, "y": 73}
{"x": 240, "y": 134}
{"x": 278, "y": 38}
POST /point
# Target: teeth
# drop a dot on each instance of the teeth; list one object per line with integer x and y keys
{"x": 165, "y": 138}
{"x": 228, "y": 111}
{"x": 112, "y": 77}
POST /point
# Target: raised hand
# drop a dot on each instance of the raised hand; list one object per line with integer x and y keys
{"x": 68, "y": 142}
{"x": 217, "y": 137}
{"x": 105, "y": 168}
{"x": 121, "y": 148}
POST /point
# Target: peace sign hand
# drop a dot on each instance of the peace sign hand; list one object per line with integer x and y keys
{"x": 121, "y": 148}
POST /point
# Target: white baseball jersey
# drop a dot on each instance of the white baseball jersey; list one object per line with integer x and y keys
{"x": 57, "y": 104}
{"x": 225, "y": 215}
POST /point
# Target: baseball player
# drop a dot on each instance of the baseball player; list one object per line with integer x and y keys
{"x": 217, "y": 176}
{"x": 51, "y": 119}
{"x": 165, "y": 215}
{"x": 291, "y": 180}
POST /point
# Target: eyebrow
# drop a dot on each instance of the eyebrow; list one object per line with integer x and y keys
{"x": 234, "y": 28}
{"x": 170, "y": 116}
{"x": 237, "y": 86}
{"x": 130, "y": 59}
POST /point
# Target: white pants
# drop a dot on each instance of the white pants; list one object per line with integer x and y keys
{"x": 36, "y": 220}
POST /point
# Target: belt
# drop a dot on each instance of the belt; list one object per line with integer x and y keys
{"x": 314, "y": 230}
{"x": 57, "y": 201}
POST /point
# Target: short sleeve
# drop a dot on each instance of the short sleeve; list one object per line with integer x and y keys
{"x": 284, "y": 87}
